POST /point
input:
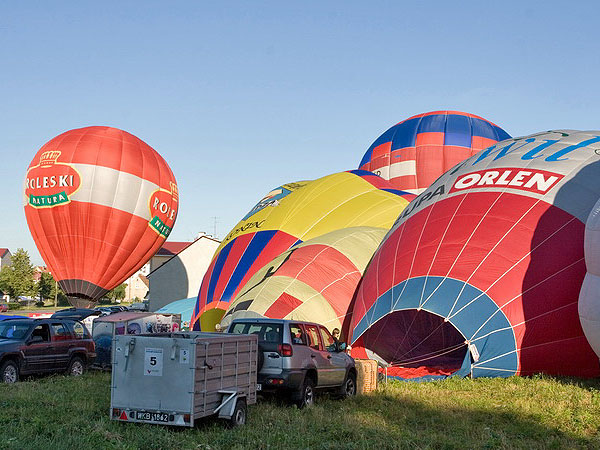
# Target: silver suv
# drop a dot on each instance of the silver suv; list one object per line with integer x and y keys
{"x": 298, "y": 358}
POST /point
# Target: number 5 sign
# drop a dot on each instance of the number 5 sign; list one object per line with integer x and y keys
{"x": 153, "y": 362}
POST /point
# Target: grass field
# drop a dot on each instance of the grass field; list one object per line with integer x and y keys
{"x": 541, "y": 412}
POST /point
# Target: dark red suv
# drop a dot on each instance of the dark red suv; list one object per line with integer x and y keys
{"x": 29, "y": 346}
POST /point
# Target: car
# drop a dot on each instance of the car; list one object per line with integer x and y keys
{"x": 3, "y": 307}
{"x": 32, "y": 346}
{"x": 296, "y": 359}
{"x": 104, "y": 310}
{"x": 141, "y": 306}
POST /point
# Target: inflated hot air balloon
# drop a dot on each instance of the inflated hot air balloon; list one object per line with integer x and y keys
{"x": 413, "y": 153}
{"x": 481, "y": 273}
{"x": 314, "y": 281}
{"x": 589, "y": 297}
{"x": 287, "y": 216}
{"x": 99, "y": 203}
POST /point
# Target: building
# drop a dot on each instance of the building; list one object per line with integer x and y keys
{"x": 166, "y": 252}
{"x": 177, "y": 272}
{"x": 5, "y": 257}
{"x": 138, "y": 284}
{"x": 38, "y": 271}
{"x": 137, "y": 287}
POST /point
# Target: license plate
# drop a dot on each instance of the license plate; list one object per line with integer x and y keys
{"x": 150, "y": 416}
{"x": 258, "y": 387}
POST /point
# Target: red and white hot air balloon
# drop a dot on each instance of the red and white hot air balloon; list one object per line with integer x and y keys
{"x": 99, "y": 203}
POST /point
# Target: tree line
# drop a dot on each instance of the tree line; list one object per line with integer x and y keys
{"x": 17, "y": 280}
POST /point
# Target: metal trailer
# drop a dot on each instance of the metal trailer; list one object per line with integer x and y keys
{"x": 177, "y": 378}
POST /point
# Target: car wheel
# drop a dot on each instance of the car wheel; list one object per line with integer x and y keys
{"x": 306, "y": 395}
{"x": 239, "y": 414}
{"x": 9, "y": 372}
{"x": 76, "y": 367}
{"x": 348, "y": 388}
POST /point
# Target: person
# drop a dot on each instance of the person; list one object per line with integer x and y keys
{"x": 336, "y": 335}
{"x": 339, "y": 345}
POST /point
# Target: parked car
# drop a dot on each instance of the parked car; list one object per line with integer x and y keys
{"x": 29, "y": 346}
{"x": 141, "y": 306}
{"x": 297, "y": 358}
{"x": 104, "y": 310}
{"x": 3, "y": 307}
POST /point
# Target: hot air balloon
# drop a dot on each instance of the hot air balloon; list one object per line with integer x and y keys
{"x": 314, "y": 281}
{"x": 589, "y": 297}
{"x": 287, "y": 216}
{"x": 481, "y": 273}
{"x": 414, "y": 152}
{"x": 99, "y": 203}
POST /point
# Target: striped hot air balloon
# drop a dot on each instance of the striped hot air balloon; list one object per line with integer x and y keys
{"x": 314, "y": 281}
{"x": 99, "y": 203}
{"x": 415, "y": 152}
{"x": 287, "y": 216}
{"x": 481, "y": 273}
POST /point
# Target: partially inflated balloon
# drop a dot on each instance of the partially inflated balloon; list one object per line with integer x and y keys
{"x": 483, "y": 270}
{"x": 589, "y": 297}
{"x": 314, "y": 281}
{"x": 414, "y": 152}
{"x": 99, "y": 203}
{"x": 287, "y": 216}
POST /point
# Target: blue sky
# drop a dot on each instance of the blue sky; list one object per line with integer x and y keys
{"x": 241, "y": 97}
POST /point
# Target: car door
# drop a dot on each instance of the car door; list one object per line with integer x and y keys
{"x": 61, "y": 340}
{"x": 39, "y": 356}
{"x": 320, "y": 356}
{"x": 336, "y": 358}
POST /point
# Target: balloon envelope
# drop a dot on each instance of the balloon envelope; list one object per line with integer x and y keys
{"x": 415, "y": 152}
{"x": 482, "y": 271}
{"x": 287, "y": 216}
{"x": 314, "y": 281}
{"x": 99, "y": 203}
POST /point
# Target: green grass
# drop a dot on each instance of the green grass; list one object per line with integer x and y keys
{"x": 540, "y": 412}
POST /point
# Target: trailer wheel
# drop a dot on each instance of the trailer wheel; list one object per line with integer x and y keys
{"x": 238, "y": 417}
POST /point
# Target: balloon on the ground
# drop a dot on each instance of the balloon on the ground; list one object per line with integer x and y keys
{"x": 99, "y": 203}
{"x": 415, "y": 152}
{"x": 286, "y": 216}
{"x": 589, "y": 297}
{"x": 481, "y": 273}
{"x": 314, "y": 281}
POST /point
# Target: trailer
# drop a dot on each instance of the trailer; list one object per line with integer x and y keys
{"x": 178, "y": 378}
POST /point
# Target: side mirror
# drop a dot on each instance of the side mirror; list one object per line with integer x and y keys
{"x": 35, "y": 340}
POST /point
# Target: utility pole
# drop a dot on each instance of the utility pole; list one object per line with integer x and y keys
{"x": 55, "y": 293}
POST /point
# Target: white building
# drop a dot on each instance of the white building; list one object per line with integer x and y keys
{"x": 176, "y": 273}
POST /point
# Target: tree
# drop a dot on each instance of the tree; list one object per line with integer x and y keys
{"x": 17, "y": 279}
{"x": 45, "y": 286}
{"x": 117, "y": 293}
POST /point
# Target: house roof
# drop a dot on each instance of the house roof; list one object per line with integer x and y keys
{"x": 144, "y": 280}
{"x": 3, "y": 252}
{"x": 172, "y": 248}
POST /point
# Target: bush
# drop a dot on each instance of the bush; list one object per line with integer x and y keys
{"x": 14, "y": 305}
{"x": 39, "y": 304}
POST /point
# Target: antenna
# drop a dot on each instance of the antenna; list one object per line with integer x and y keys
{"x": 214, "y": 226}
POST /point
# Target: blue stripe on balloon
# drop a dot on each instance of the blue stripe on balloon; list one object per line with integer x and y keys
{"x": 458, "y": 131}
{"x": 216, "y": 273}
{"x": 405, "y": 134}
{"x": 257, "y": 244}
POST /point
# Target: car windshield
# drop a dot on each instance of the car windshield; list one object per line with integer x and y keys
{"x": 13, "y": 330}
